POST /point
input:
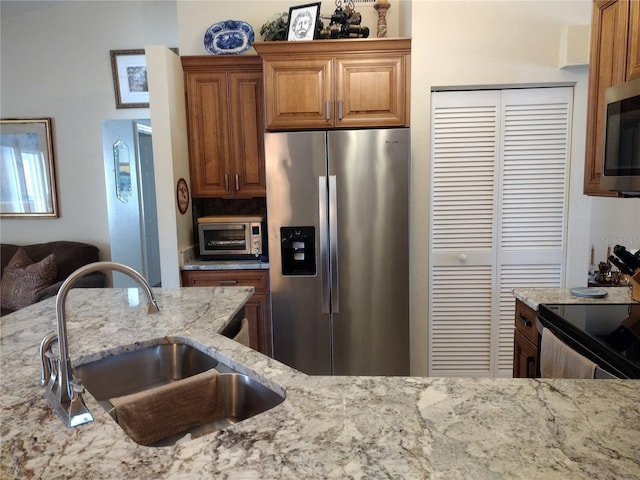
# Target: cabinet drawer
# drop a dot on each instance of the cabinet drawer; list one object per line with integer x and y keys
{"x": 526, "y": 322}
{"x": 258, "y": 279}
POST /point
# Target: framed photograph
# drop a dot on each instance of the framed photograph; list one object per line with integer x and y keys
{"x": 129, "y": 69}
{"x": 27, "y": 179}
{"x": 302, "y": 21}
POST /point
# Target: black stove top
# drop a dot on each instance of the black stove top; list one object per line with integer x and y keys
{"x": 607, "y": 334}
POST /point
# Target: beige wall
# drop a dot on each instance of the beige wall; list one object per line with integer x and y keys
{"x": 55, "y": 63}
{"x": 195, "y": 16}
{"x": 484, "y": 43}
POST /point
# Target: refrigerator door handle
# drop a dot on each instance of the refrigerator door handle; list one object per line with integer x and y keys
{"x": 324, "y": 246}
{"x": 333, "y": 243}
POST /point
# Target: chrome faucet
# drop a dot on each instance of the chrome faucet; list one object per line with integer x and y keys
{"x": 62, "y": 391}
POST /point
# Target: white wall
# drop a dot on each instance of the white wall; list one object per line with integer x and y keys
{"x": 55, "y": 63}
{"x": 171, "y": 158}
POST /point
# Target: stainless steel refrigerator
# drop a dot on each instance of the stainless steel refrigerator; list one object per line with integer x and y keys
{"x": 337, "y": 220}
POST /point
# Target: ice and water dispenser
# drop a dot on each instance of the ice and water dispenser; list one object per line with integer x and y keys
{"x": 298, "y": 250}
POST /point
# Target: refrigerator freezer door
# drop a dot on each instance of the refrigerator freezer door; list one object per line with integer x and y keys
{"x": 371, "y": 330}
{"x": 301, "y": 332}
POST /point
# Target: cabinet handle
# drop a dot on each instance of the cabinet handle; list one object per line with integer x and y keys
{"x": 226, "y": 182}
{"x": 228, "y": 282}
{"x": 527, "y": 323}
{"x": 340, "y": 110}
{"x": 327, "y": 112}
{"x": 237, "y": 182}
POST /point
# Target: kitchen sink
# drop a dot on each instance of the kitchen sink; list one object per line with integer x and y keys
{"x": 161, "y": 393}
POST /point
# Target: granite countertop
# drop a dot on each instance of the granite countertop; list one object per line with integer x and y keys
{"x": 197, "y": 264}
{"x": 328, "y": 427}
{"x": 191, "y": 260}
{"x": 536, "y": 296}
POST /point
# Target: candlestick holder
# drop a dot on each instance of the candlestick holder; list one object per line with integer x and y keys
{"x": 381, "y": 8}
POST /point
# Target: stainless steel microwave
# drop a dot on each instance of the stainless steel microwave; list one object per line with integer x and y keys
{"x": 621, "y": 156}
{"x": 230, "y": 236}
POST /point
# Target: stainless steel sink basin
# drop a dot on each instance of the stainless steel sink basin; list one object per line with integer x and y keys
{"x": 153, "y": 372}
{"x": 131, "y": 372}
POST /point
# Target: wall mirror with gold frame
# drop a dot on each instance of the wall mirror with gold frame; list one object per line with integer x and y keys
{"x": 27, "y": 173}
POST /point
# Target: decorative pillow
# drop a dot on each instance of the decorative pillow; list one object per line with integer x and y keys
{"x": 22, "y": 279}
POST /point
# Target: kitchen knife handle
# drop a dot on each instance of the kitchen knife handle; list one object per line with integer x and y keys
{"x": 627, "y": 257}
{"x": 324, "y": 248}
{"x": 623, "y": 268}
{"x": 333, "y": 243}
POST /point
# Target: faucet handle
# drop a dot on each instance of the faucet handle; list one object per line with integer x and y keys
{"x": 47, "y": 362}
{"x": 77, "y": 386}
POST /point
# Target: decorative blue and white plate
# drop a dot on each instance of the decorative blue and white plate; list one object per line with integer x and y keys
{"x": 589, "y": 292}
{"x": 228, "y": 37}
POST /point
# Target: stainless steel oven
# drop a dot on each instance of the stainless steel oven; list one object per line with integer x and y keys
{"x": 230, "y": 236}
{"x": 605, "y": 333}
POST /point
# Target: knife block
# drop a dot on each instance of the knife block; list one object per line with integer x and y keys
{"x": 635, "y": 285}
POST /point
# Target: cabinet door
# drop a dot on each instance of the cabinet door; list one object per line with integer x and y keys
{"x": 607, "y": 67}
{"x": 208, "y": 124}
{"x": 370, "y": 91}
{"x": 247, "y": 134}
{"x": 257, "y": 311}
{"x": 525, "y": 357}
{"x": 298, "y": 93}
{"x": 633, "y": 59}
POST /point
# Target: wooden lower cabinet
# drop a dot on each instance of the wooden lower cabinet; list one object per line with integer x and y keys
{"x": 257, "y": 309}
{"x": 525, "y": 342}
{"x": 525, "y": 357}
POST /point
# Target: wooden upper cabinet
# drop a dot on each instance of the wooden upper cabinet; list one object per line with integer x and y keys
{"x": 298, "y": 93}
{"x": 247, "y": 133}
{"x": 225, "y": 119}
{"x": 371, "y": 91}
{"x": 336, "y": 83}
{"x": 633, "y": 60}
{"x": 614, "y": 59}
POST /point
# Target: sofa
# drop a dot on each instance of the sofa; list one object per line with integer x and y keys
{"x": 31, "y": 273}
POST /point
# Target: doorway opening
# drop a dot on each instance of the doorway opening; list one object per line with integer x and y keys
{"x": 131, "y": 198}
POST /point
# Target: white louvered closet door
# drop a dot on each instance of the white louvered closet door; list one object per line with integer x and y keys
{"x": 499, "y": 169}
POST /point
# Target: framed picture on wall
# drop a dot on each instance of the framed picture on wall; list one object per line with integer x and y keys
{"x": 129, "y": 69}
{"x": 302, "y": 21}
